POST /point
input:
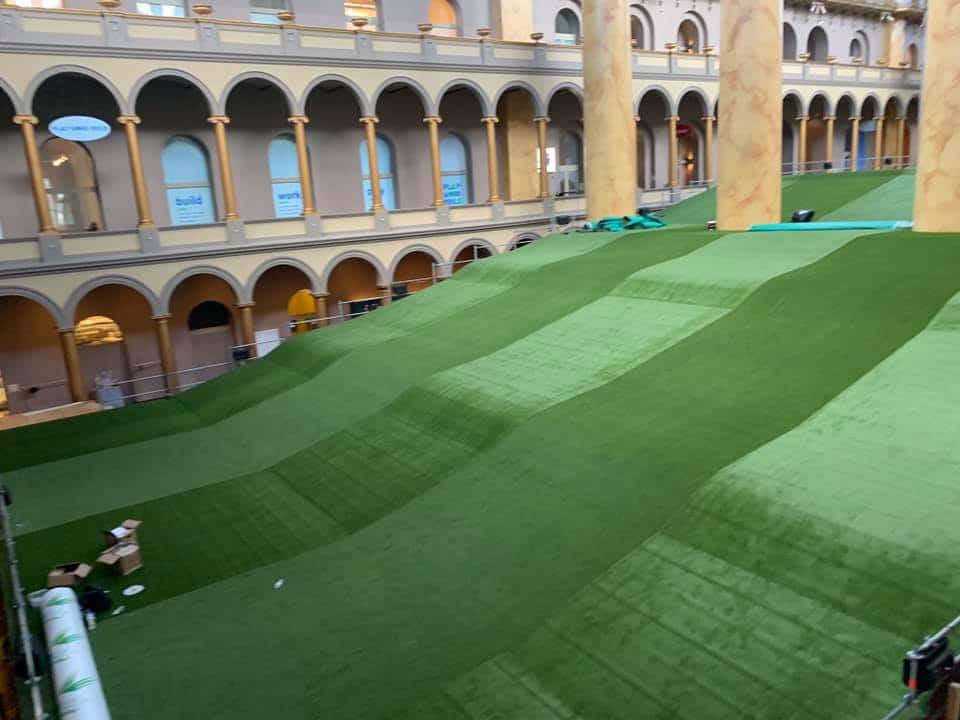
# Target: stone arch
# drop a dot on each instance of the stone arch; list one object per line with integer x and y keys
{"x": 382, "y": 278}
{"x": 419, "y": 90}
{"x": 789, "y": 41}
{"x": 77, "y": 296}
{"x": 539, "y": 109}
{"x": 664, "y": 94}
{"x": 363, "y": 102}
{"x": 823, "y": 97}
{"x": 432, "y": 252}
{"x": 59, "y": 317}
{"x": 473, "y": 241}
{"x": 212, "y": 105}
{"x": 31, "y": 94}
{"x": 818, "y": 44}
{"x": 646, "y": 24}
{"x": 851, "y": 101}
{"x": 898, "y": 105}
{"x": 797, "y": 98}
{"x": 705, "y": 103}
{"x": 877, "y": 105}
{"x": 478, "y": 92}
{"x": 189, "y": 272}
{"x": 701, "y": 26}
{"x": 263, "y": 267}
{"x": 521, "y": 239}
{"x": 14, "y": 98}
{"x": 569, "y": 86}
{"x": 258, "y": 75}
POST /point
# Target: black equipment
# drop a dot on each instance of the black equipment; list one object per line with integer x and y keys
{"x": 803, "y": 216}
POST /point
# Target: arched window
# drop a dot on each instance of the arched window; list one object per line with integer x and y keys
{"x": 386, "y": 168}
{"x": 860, "y": 47}
{"x": 913, "y": 56}
{"x": 688, "y": 37}
{"x": 817, "y": 45}
{"x": 443, "y": 16}
{"x": 265, "y": 11}
{"x": 186, "y": 177}
{"x": 569, "y": 167}
{"x": 636, "y": 31}
{"x": 162, "y": 8}
{"x": 455, "y": 169}
{"x": 566, "y": 28}
{"x": 71, "y": 184}
{"x": 208, "y": 314}
{"x": 366, "y": 9}
{"x": 789, "y": 42}
{"x": 285, "y": 177}
{"x": 856, "y": 50}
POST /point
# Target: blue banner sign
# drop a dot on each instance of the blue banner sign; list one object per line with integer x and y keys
{"x": 287, "y": 200}
{"x": 190, "y": 206}
{"x": 79, "y": 128}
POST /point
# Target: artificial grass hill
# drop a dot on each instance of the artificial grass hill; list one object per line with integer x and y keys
{"x": 664, "y": 474}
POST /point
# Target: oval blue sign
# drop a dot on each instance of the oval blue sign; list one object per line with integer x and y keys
{"x": 80, "y": 128}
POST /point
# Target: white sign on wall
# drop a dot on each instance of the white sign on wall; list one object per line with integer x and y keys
{"x": 79, "y": 128}
{"x": 190, "y": 206}
{"x": 287, "y": 199}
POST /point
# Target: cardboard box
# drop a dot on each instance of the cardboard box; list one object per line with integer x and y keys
{"x": 124, "y": 559}
{"x": 68, "y": 575}
{"x": 125, "y": 532}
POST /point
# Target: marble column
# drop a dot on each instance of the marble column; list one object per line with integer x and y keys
{"x": 44, "y": 220}
{"x": 248, "y": 337}
{"x": 937, "y": 197}
{"x": 802, "y": 150}
{"x": 708, "y": 149}
{"x": 610, "y": 133}
{"x": 830, "y": 123}
{"x": 168, "y": 362}
{"x": 130, "y": 123}
{"x": 220, "y": 123}
{"x": 541, "y": 123}
{"x": 321, "y": 300}
{"x": 432, "y": 124}
{"x": 854, "y": 143}
{"x": 299, "y": 123}
{"x": 672, "y": 151}
{"x": 71, "y": 361}
{"x": 493, "y": 172}
{"x": 878, "y": 143}
{"x": 901, "y": 161}
{"x": 751, "y": 113}
{"x": 370, "y": 130}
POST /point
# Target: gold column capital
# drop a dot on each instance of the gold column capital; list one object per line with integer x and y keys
{"x": 672, "y": 118}
{"x": 298, "y": 120}
{"x": 803, "y": 118}
{"x": 854, "y": 118}
{"x": 160, "y": 317}
{"x": 124, "y": 119}
{"x": 218, "y": 120}
{"x": 542, "y": 119}
{"x": 490, "y": 119}
{"x": 319, "y": 295}
{"x": 25, "y": 120}
{"x": 708, "y": 118}
{"x": 369, "y": 120}
{"x": 245, "y": 305}
{"x": 830, "y": 118}
{"x": 430, "y": 119}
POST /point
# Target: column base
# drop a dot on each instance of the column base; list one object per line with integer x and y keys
{"x": 236, "y": 231}
{"x": 149, "y": 238}
{"x": 498, "y": 212}
{"x": 51, "y": 247}
{"x": 443, "y": 214}
{"x": 381, "y": 219}
{"x": 312, "y": 225}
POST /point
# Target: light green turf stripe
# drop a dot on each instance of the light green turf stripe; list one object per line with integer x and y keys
{"x": 891, "y": 201}
{"x": 650, "y": 311}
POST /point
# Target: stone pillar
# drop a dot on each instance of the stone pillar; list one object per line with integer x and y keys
{"x": 610, "y": 142}
{"x": 937, "y": 197}
{"x": 370, "y": 129}
{"x": 321, "y": 300}
{"x": 71, "y": 361}
{"x": 802, "y": 149}
{"x": 708, "y": 149}
{"x": 854, "y": 143}
{"x": 493, "y": 173}
{"x": 901, "y": 161}
{"x": 247, "y": 335}
{"x": 386, "y": 294}
{"x": 541, "y": 123}
{"x": 130, "y": 122}
{"x": 672, "y": 151}
{"x": 830, "y": 122}
{"x": 44, "y": 221}
{"x": 751, "y": 113}
{"x": 897, "y": 42}
{"x": 299, "y": 123}
{"x": 220, "y": 123}
{"x": 878, "y": 144}
{"x": 433, "y": 123}
{"x": 168, "y": 362}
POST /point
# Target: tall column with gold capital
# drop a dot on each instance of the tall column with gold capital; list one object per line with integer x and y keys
{"x": 854, "y": 143}
{"x": 299, "y": 123}
{"x": 802, "y": 151}
{"x": 493, "y": 173}
{"x": 751, "y": 115}
{"x": 168, "y": 362}
{"x": 708, "y": 149}
{"x": 247, "y": 335}
{"x": 370, "y": 129}
{"x": 610, "y": 132}
{"x": 829, "y": 152}
{"x": 878, "y": 143}
{"x": 44, "y": 220}
{"x": 673, "y": 154}
{"x": 220, "y": 123}
{"x": 71, "y": 361}
{"x": 432, "y": 123}
{"x": 144, "y": 217}
{"x": 936, "y": 202}
{"x": 541, "y": 123}
{"x": 901, "y": 161}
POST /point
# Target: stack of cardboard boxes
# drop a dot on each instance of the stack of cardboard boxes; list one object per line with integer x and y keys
{"x": 122, "y": 554}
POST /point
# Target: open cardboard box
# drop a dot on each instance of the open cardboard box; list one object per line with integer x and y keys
{"x": 68, "y": 575}
{"x": 123, "y": 559}
{"x": 125, "y": 532}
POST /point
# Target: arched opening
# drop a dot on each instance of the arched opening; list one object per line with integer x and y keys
{"x": 913, "y": 56}
{"x": 277, "y": 291}
{"x": 566, "y": 28}
{"x": 790, "y": 137}
{"x": 352, "y": 288}
{"x": 842, "y": 144}
{"x": 202, "y": 327}
{"x": 413, "y": 273}
{"x": 285, "y": 177}
{"x": 856, "y": 49}
{"x": 888, "y": 142}
{"x": 116, "y": 340}
{"x": 31, "y": 362}
{"x": 641, "y": 28}
{"x": 455, "y": 170}
{"x": 175, "y": 140}
{"x": 910, "y": 132}
{"x": 402, "y": 143}
{"x": 565, "y": 144}
{"x": 521, "y": 242}
{"x": 817, "y": 45}
{"x": 265, "y": 11}
{"x": 74, "y": 174}
{"x": 465, "y": 178}
{"x": 186, "y": 179}
{"x": 688, "y": 37}
{"x": 70, "y": 181}
{"x": 517, "y": 146}
{"x": 471, "y": 253}
{"x": 869, "y": 113}
{"x": 386, "y": 168}
{"x": 444, "y": 17}
{"x": 691, "y": 144}
{"x": 653, "y": 139}
{"x": 789, "y": 42}
{"x": 364, "y": 10}
{"x": 334, "y": 112}
{"x": 817, "y": 159}
{"x": 860, "y": 47}
{"x": 636, "y": 32}
{"x": 16, "y": 216}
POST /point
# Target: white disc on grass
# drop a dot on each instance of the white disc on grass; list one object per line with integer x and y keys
{"x": 133, "y": 590}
